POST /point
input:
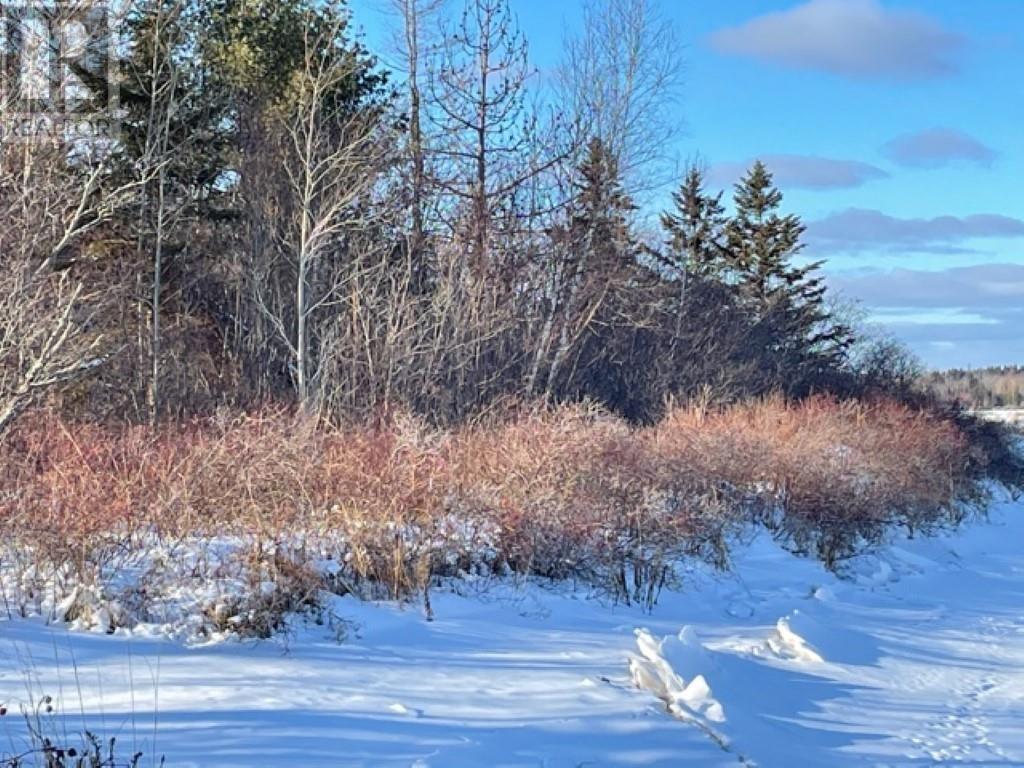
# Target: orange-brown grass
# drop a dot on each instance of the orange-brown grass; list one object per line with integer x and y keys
{"x": 565, "y": 493}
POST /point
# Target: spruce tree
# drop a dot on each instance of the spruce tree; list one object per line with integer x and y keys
{"x": 695, "y": 229}
{"x": 787, "y": 299}
{"x": 601, "y": 212}
{"x": 597, "y": 259}
{"x": 762, "y": 243}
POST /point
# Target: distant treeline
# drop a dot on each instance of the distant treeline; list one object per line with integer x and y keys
{"x": 995, "y": 387}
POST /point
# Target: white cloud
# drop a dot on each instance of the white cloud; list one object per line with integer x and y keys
{"x": 854, "y": 38}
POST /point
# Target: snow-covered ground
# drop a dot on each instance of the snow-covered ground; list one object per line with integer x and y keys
{"x": 1005, "y": 415}
{"x": 916, "y": 659}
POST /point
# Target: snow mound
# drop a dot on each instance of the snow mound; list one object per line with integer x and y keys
{"x": 664, "y": 667}
{"x": 823, "y": 595}
{"x": 790, "y": 641}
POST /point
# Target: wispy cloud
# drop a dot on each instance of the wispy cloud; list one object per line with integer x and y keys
{"x": 801, "y": 172}
{"x": 937, "y": 147}
{"x": 853, "y": 38}
{"x": 857, "y": 230}
{"x": 954, "y": 317}
{"x": 981, "y": 287}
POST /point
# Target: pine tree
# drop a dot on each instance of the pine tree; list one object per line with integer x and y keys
{"x": 761, "y": 243}
{"x": 601, "y": 213}
{"x": 788, "y": 300}
{"x": 598, "y": 253}
{"x": 695, "y": 230}
{"x": 477, "y": 102}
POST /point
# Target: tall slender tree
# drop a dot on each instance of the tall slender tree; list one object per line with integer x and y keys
{"x": 621, "y": 78}
{"x": 414, "y": 42}
{"x": 762, "y": 243}
{"x": 478, "y": 105}
{"x": 787, "y": 298}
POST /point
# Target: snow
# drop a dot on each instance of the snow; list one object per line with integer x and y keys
{"x": 914, "y": 658}
{"x": 1006, "y": 415}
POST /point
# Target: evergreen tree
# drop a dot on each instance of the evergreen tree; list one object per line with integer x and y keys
{"x": 597, "y": 254}
{"x": 761, "y": 243}
{"x": 787, "y": 299}
{"x": 695, "y": 230}
{"x": 478, "y": 104}
{"x": 172, "y": 107}
{"x": 600, "y": 218}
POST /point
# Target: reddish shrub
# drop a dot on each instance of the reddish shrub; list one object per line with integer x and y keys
{"x": 563, "y": 493}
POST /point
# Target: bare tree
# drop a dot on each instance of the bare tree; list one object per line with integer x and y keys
{"x": 621, "y": 77}
{"x": 415, "y": 42}
{"x": 40, "y": 337}
{"x": 160, "y": 81}
{"x": 53, "y": 202}
{"x": 331, "y": 155}
{"x": 478, "y": 104}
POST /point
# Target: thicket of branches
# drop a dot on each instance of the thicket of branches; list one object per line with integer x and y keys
{"x": 283, "y": 219}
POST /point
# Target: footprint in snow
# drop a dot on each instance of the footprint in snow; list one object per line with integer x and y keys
{"x": 740, "y": 610}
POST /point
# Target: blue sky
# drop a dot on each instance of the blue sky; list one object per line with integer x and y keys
{"x": 896, "y": 130}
